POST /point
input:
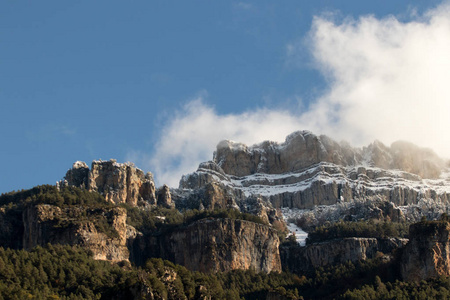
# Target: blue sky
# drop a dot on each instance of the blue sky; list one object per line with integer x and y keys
{"x": 160, "y": 83}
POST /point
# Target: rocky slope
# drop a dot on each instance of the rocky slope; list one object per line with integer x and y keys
{"x": 307, "y": 171}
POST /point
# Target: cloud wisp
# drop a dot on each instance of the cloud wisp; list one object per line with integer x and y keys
{"x": 387, "y": 80}
{"x": 192, "y": 136}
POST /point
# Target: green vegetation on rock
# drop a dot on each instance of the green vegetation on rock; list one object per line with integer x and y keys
{"x": 49, "y": 194}
{"x": 157, "y": 218}
{"x": 367, "y": 229}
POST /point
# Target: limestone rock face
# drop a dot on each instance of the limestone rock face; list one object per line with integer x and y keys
{"x": 224, "y": 245}
{"x": 117, "y": 182}
{"x": 300, "y": 150}
{"x": 427, "y": 254}
{"x": 303, "y": 149}
{"x": 212, "y": 245}
{"x": 201, "y": 190}
{"x": 305, "y": 259}
{"x": 51, "y": 224}
{"x": 216, "y": 195}
{"x": 207, "y": 172}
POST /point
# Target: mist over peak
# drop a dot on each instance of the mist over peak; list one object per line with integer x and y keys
{"x": 303, "y": 149}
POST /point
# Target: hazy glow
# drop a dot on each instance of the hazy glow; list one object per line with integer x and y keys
{"x": 388, "y": 80}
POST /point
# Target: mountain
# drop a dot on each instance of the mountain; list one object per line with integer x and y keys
{"x": 245, "y": 211}
{"x": 308, "y": 180}
{"x": 309, "y": 171}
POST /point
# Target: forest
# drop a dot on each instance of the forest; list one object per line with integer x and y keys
{"x": 65, "y": 272}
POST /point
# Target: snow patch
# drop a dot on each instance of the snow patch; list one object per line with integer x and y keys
{"x": 327, "y": 173}
{"x": 300, "y": 235}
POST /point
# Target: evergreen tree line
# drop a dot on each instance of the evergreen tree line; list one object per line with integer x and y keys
{"x": 368, "y": 229}
{"x": 67, "y": 272}
{"x": 50, "y": 194}
{"x": 153, "y": 219}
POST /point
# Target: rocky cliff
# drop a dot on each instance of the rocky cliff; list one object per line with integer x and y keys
{"x": 305, "y": 259}
{"x": 74, "y": 216}
{"x": 207, "y": 245}
{"x": 117, "y": 182}
{"x": 307, "y": 170}
{"x": 303, "y": 149}
{"x": 427, "y": 254}
{"x": 212, "y": 245}
{"x": 103, "y": 231}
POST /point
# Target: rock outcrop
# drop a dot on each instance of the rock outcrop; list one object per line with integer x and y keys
{"x": 78, "y": 226}
{"x": 79, "y": 175}
{"x": 117, "y": 182}
{"x": 212, "y": 245}
{"x": 299, "y": 151}
{"x": 164, "y": 198}
{"x": 216, "y": 195}
{"x": 427, "y": 254}
{"x": 305, "y": 259}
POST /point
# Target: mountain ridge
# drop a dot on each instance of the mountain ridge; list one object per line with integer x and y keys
{"x": 302, "y": 149}
{"x": 308, "y": 171}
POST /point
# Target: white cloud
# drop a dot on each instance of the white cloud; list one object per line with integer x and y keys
{"x": 192, "y": 136}
{"x": 387, "y": 80}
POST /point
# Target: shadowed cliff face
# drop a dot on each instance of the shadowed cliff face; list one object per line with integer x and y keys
{"x": 77, "y": 226}
{"x": 306, "y": 259}
{"x": 212, "y": 245}
{"x": 427, "y": 254}
{"x": 300, "y": 150}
